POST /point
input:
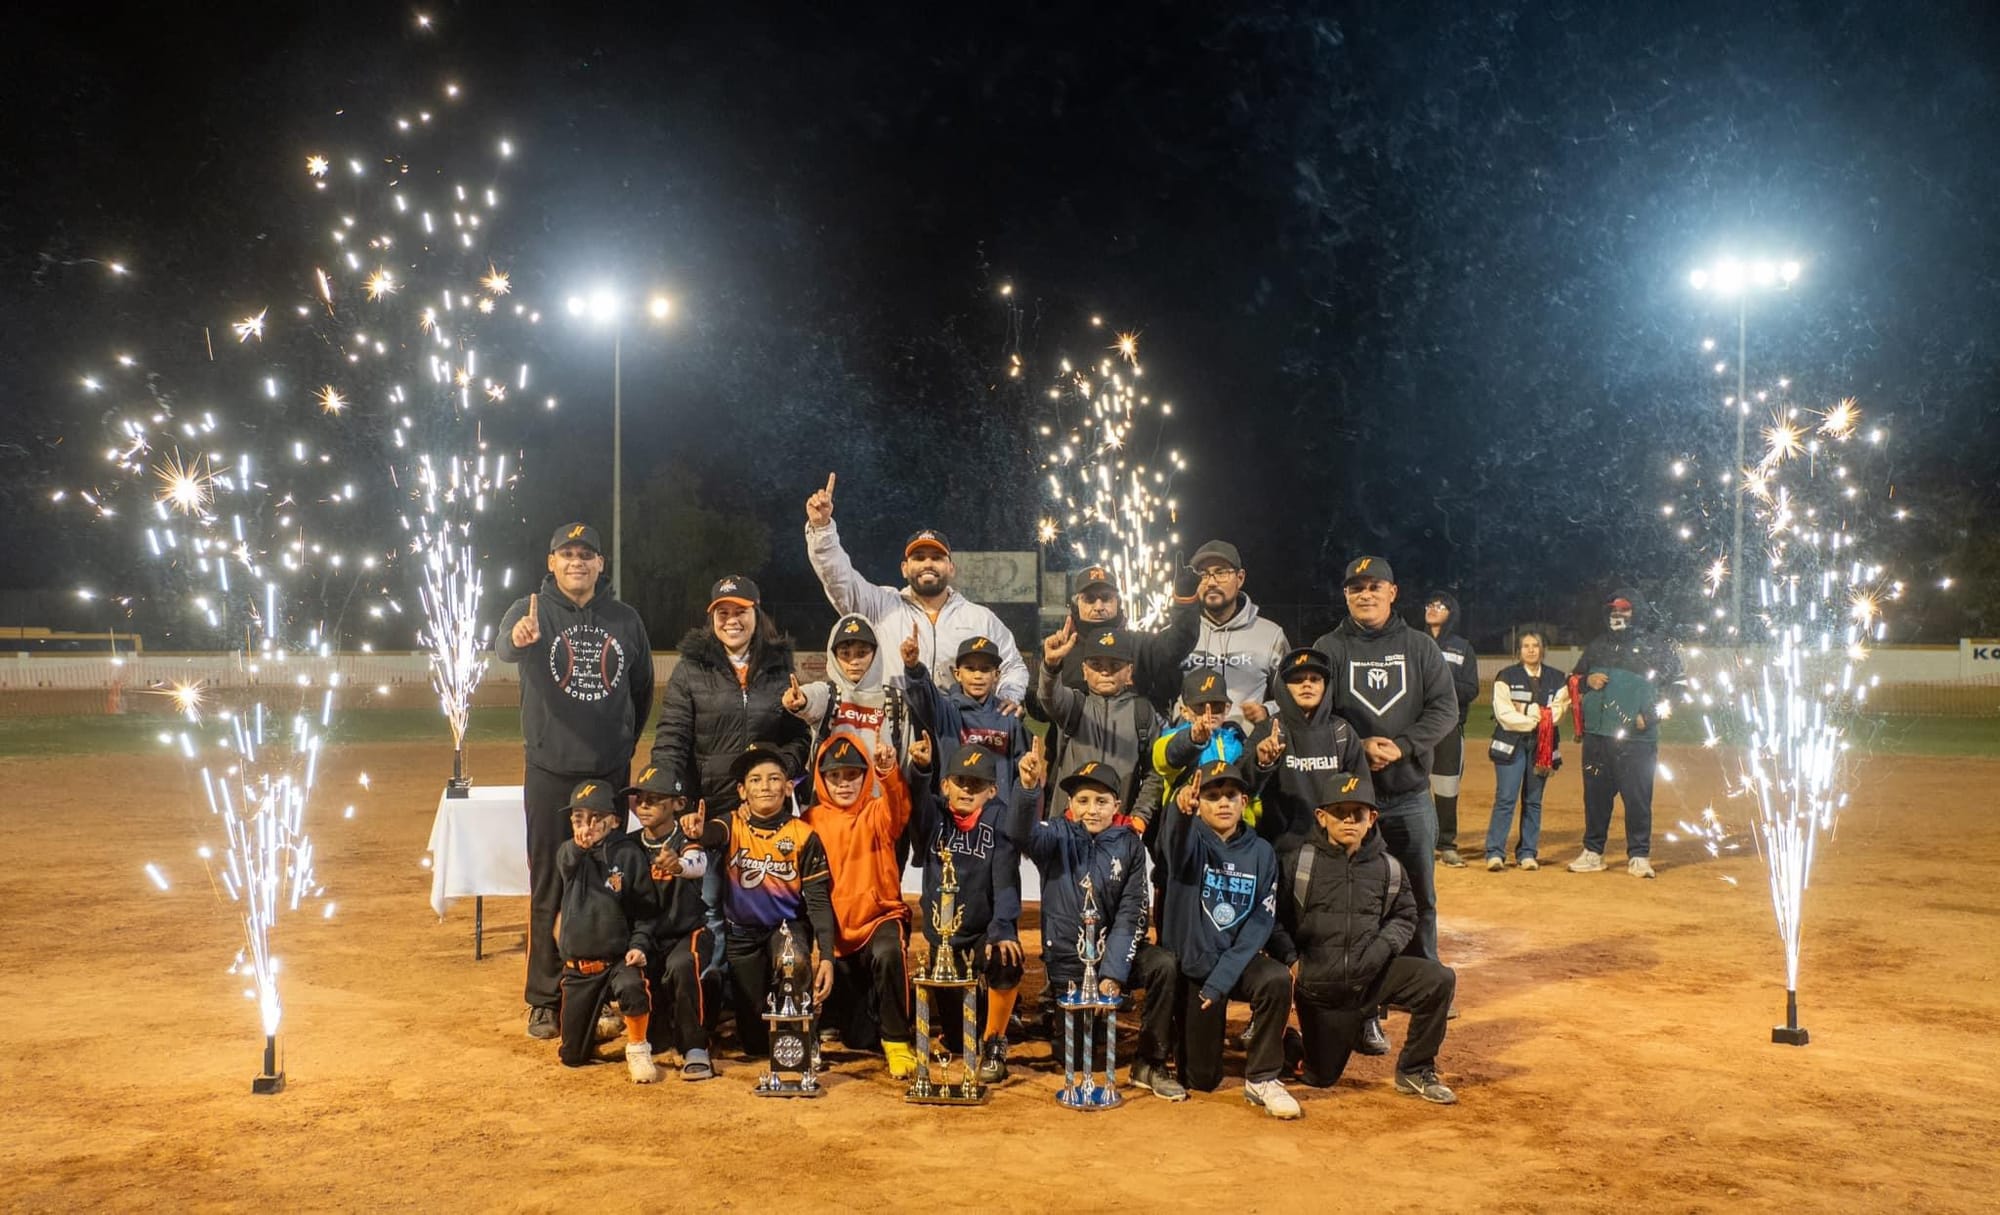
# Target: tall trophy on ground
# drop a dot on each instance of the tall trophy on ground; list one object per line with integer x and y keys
{"x": 947, "y": 971}
{"x": 1087, "y": 1012}
{"x": 789, "y": 1011}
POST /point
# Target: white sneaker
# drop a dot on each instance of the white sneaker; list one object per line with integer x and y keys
{"x": 639, "y": 1063}
{"x": 1529, "y": 864}
{"x": 1639, "y": 866}
{"x": 1272, "y": 1096}
{"x": 1588, "y": 862}
{"x": 1494, "y": 864}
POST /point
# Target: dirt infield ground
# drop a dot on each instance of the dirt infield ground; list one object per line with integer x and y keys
{"x": 1613, "y": 1051}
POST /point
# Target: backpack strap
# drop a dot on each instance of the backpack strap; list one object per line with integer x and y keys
{"x": 1395, "y": 884}
{"x": 1302, "y": 879}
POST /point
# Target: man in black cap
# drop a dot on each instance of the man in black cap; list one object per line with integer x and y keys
{"x": 927, "y": 602}
{"x": 586, "y": 670}
{"x": 1393, "y": 686}
{"x": 1234, "y": 639}
{"x": 1156, "y": 654}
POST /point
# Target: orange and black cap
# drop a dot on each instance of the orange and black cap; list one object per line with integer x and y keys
{"x": 758, "y": 753}
{"x": 928, "y": 537}
{"x": 1303, "y": 660}
{"x": 1204, "y": 686}
{"x": 974, "y": 763}
{"x": 734, "y": 588}
{"x": 1224, "y": 770}
{"x": 575, "y": 533}
{"x": 1098, "y": 773}
{"x": 1363, "y": 568}
{"x": 593, "y": 795}
{"x": 841, "y": 753}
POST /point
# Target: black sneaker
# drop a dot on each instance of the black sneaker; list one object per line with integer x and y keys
{"x": 1295, "y": 1052}
{"x": 1450, "y": 857}
{"x": 1373, "y": 1040}
{"x": 1157, "y": 1080}
{"x": 993, "y": 1060}
{"x": 1425, "y": 1084}
{"x": 542, "y": 1024}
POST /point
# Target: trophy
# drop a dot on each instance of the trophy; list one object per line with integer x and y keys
{"x": 947, "y": 970}
{"x": 1087, "y": 1008}
{"x": 793, "y": 1068}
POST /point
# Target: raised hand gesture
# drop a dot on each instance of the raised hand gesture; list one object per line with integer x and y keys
{"x": 1035, "y": 764}
{"x": 528, "y": 629}
{"x": 1057, "y": 645}
{"x": 794, "y": 698}
{"x": 1253, "y": 712}
{"x": 819, "y": 507}
{"x": 885, "y": 757}
{"x": 1271, "y": 747}
{"x": 1199, "y": 732}
{"x": 920, "y": 751}
{"x": 910, "y": 650}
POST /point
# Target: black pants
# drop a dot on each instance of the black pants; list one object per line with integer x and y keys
{"x": 1332, "y": 1030}
{"x": 1268, "y": 988}
{"x": 543, "y": 796}
{"x": 1447, "y": 769}
{"x": 682, "y": 997}
{"x": 870, "y": 1003}
{"x": 580, "y": 997}
{"x": 753, "y": 959}
{"x": 1155, "y": 974}
{"x": 1619, "y": 768}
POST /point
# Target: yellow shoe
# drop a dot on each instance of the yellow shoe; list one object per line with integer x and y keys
{"x": 902, "y": 1060}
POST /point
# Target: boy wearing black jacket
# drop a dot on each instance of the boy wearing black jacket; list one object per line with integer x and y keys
{"x": 682, "y": 948}
{"x": 1394, "y": 687}
{"x": 603, "y": 931}
{"x": 1110, "y": 724}
{"x": 1096, "y": 842}
{"x": 1221, "y": 904}
{"x": 1345, "y": 914}
{"x": 1309, "y": 741}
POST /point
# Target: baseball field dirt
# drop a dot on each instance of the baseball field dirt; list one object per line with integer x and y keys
{"x": 1613, "y": 1051}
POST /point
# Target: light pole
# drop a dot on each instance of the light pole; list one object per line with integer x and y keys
{"x": 605, "y": 306}
{"x": 1729, "y": 277}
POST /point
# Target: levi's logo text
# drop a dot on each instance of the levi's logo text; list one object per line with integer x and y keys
{"x": 586, "y": 662}
{"x": 993, "y": 740}
{"x": 861, "y": 717}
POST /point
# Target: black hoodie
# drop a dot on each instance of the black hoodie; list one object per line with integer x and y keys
{"x": 1349, "y": 927}
{"x": 708, "y": 717}
{"x": 586, "y": 684}
{"x": 1392, "y": 683}
{"x": 1642, "y": 670}
{"x": 1457, "y": 653}
{"x": 1221, "y": 900}
{"x": 1316, "y": 741}
{"x": 607, "y": 899}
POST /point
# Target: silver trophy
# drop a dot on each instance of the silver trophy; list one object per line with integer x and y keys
{"x": 793, "y": 1067}
{"x": 947, "y": 972}
{"x": 1084, "y": 1008}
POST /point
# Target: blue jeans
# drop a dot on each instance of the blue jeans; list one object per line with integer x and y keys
{"x": 1515, "y": 780}
{"x": 1409, "y": 830}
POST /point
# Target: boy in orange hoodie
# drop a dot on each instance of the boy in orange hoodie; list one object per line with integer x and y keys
{"x": 859, "y": 812}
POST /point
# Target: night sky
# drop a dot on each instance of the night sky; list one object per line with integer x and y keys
{"x": 1414, "y": 276}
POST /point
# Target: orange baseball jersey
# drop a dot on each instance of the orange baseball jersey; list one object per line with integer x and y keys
{"x": 769, "y": 868}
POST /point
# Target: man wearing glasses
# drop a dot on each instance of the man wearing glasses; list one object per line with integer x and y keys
{"x": 1245, "y": 647}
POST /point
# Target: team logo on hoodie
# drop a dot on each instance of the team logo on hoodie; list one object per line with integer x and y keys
{"x": 1227, "y": 896}
{"x": 586, "y": 662}
{"x": 1378, "y": 682}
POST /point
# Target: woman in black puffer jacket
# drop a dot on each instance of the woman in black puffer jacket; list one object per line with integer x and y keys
{"x": 725, "y": 694}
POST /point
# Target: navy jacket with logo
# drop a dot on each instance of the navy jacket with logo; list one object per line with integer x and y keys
{"x": 1115, "y": 862}
{"x": 982, "y": 858}
{"x": 1221, "y": 900}
{"x": 1392, "y": 683}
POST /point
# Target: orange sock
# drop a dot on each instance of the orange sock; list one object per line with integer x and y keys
{"x": 635, "y": 1027}
{"x": 999, "y": 1008}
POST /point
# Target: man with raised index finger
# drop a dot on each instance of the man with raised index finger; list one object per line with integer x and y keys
{"x": 586, "y": 690}
{"x": 943, "y": 618}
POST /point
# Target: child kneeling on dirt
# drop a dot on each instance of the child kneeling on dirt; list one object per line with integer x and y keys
{"x": 970, "y": 826}
{"x": 1346, "y": 912}
{"x": 1222, "y": 881}
{"x": 603, "y": 930}
{"x": 859, "y": 812}
{"x": 1095, "y": 841}
{"x": 682, "y": 949}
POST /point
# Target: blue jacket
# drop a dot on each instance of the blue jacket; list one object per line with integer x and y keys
{"x": 1222, "y": 900}
{"x": 983, "y": 857}
{"x": 1064, "y": 853}
{"x": 956, "y": 720}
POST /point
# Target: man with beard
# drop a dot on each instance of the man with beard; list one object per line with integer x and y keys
{"x": 1393, "y": 686}
{"x": 586, "y": 689}
{"x": 1234, "y": 639}
{"x": 1622, "y": 681}
{"x": 942, "y": 618}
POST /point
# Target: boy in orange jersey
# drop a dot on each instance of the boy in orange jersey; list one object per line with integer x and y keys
{"x": 859, "y": 811}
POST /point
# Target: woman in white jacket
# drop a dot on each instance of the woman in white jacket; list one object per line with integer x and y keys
{"x": 1529, "y": 699}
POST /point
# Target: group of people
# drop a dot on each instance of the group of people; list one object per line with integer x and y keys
{"x": 1257, "y": 822}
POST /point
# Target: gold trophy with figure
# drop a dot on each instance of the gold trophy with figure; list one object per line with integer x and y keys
{"x": 947, "y": 970}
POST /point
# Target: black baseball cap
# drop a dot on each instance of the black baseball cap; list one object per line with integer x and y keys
{"x": 1304, "y": 659}
{"x": 655, "y": 779}
{"x": 1091, "y": 576}
{"x": 758, "y": 753}
{"x": 975, "y": 763}
{"x": 1098, "y": 773}
{"x": 1219, "y": 550}
{"x": 593, "y": 795}
{"x": 854, "y": 628}
{"x": 1368, "y": 567}
{"x": 1100, "y": 642}
{"x": 1225, "y": 769}
{"x": 576, "y": 533}
{"x": 842, "y": 753}
{"x": 926, "y": 536}
{"x": 1204, "y": 686}
{"x": 977, "y": 647}
{"x": 734, "y": 588}
{"x": 1335, "y": 788}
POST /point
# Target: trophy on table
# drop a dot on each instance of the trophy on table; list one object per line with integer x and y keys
{"x": 1083, "y": 1007}
{"x": 947, "y": 971}
{"x": 789, "y": 1011}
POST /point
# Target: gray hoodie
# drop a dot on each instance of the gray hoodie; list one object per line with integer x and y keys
{"x": 1246, "y": 648}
